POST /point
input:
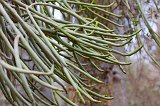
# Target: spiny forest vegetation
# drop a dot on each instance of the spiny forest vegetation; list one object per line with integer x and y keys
{"x": 63, "y": 51}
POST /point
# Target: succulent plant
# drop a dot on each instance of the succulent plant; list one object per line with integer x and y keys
{"x": 29, "y": 27}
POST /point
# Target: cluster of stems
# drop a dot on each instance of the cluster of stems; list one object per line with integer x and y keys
{"x": 54, "y": 49}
